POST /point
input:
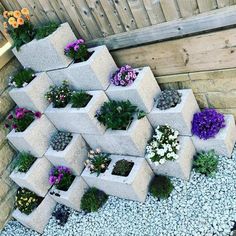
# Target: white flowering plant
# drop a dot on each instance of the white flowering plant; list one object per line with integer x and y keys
{"x": 163, "y": 146}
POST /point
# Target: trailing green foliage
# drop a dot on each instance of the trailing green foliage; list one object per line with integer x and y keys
{"x": 46, "y": 30}
{"x": 122, "y": 168}
{"x": 25, "y": 162}
{"x": 80, "y": 99}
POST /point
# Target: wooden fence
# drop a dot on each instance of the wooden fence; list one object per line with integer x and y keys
{"x": 94, "y": 19}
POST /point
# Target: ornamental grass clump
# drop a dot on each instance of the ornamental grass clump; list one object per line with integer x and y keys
{"x": 97, "y": 161}
{"x": 59, "y": 96}
{"x": 122, "y": 168}
{"x": 25, "y": 161}
{"x": 124, "y": 76}
{"x": 168, "y": 99}
{"x": 46, "y": 30}
{"x": 60, "y": 140}
{"x": 61, "y": 177}
{"x": 22, "y": 78}
{"x": 164, "y": 145}
{"x": 80, "y": 99}
{"x": 77, "y": 50}
{"x": 21, "y": 118}
{"x": 206, "y": 163}
{"x": 207, "y": 124}
{"x": 18, "y": 25}
{"x": 26, "y": 201}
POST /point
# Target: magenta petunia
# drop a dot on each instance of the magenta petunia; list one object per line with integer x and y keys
{"x": 38, "y": 114}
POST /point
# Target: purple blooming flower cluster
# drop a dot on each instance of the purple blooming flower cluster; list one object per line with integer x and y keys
{"x": 124, "y": 76}
{"x": 58, "y": 173}
{"x": 75, "y": 45}
{"x": 207, "y": 124}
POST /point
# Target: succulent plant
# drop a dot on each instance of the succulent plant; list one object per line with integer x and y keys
{"x": 60, "y": 140}
{"x": 168, "y": 99}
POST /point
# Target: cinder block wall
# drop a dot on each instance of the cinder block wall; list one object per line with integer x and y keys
{"x": 7, "y": 154}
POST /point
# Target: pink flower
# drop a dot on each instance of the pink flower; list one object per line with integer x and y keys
{"x": 20, "y": 115}
{"x": 10, "y": 117}
{"x": 37, "y": 114}
{"x": 14, "y": 126}
{"x": 7, "y": 125}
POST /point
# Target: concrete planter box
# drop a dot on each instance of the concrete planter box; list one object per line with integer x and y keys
{"x": 124, "y": 142}
{"x": 141, "y": 93}
{"x": 47, "y": 53}
{"x": 36, "y": 178}
{"x": 133, "y": 187}
{"x": 73, "y": 156}
{"x": 180, "y": 168}
{"x": 79, "y": 120}
{"x": 39, "y": 217}
{"x": 35, "y": 139}
{"x": 93, "y": 74}
{"x": 32, "y": 96}
{"x": 224, "y": 141}
{"x": 71, "y": 197}
{"x": 179, "y": 117}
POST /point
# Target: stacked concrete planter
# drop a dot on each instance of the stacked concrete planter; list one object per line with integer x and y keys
{"x": 79, "y": 120}
{"x": 47, "y": 53}
{"x": 180, "y": 168}
{"x": 222, "y": 143}
{"x": 32, "y": 96}
{"x": 73, "y": 156}
{"x": 125, "y": 142}
{"x": 71, "y": 197}
{"x": 178, "y": 117}
{"x": 92, "y": 74}
{"x": 39, "y": 217}
{"x": 133, "y": 187}
{"x": 36, "y": 178}
{"x": 141, "y": 93}
{"x": 35, "y": 139}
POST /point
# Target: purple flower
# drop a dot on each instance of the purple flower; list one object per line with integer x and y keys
{"x": 20, "y": 115}
{"x": 37, "y": 114}
{"x": 7, "y": 126}
{"x": 14, "y": 126}
{"x": 76, "y": 48}
{"x": 10, "y": 117}
{"x": 52, "y": 179}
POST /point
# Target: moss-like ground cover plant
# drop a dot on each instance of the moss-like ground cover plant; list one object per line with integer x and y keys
{"x": 80, "y": 99}
{"x": 122, "y": 168}
{"x": 26, "y": 201}
{"x": 93, "y": 199}
{"x": 206, "y": 163}
{"x": 25, "y": 161}
{"x": 46, "y": 30}
{"x": 161, "y": 187}
{"x": 60, "y": 140}
{"x": 61, "y": 214}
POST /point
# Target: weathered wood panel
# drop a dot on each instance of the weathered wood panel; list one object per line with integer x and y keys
{"x": 188, "y": 7}
{"x": 170, "y": 9}
{"x": 3, "y": 40}
{"x": 206, "y": 5}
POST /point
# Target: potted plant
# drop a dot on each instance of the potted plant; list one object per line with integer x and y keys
{"x": 29, "y": 89}
{"x": 126, "y": 177}
{"x": 69, "y": 150}
{"x": 67, "y": 189}
{"x": 175, "y": 108}
{"x": 33, "y": 211}
{"x": 170, "y": 154}
{"x": 31, "y": 131}
{"x": 79, "y": 110}
{"x": 32, "y": 173}
{"x": 127, "y": 130}
{"x": 138, "y": 85}
{"x": 90, "y": 69}
{"x": 213, "y": 130}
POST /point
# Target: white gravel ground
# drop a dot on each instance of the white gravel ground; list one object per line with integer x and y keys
{"x": 201, "y": 207}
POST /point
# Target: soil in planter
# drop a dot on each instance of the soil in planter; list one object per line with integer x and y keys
{"x": 122, "y": 168}
{"x": 79, "y": 60}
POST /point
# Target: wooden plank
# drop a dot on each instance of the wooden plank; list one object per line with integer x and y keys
{"x": 206, "y": 5}
{"x": 112, "y": 16}
{"x": 7, "y": 6}
{"x": 188, "y": 7}
{"x": 2, "y": 39}
{"x": 154, "y": 10}
{"x": 139, "y": 12}
{"x": 170, "y": 9}
{"x": 197, "y": 53}
{"x": 168, "y": 30}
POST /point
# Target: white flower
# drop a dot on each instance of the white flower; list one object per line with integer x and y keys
{"x": 156, "y": 163}
{"x": 24, "y": 84}
{"x": 162, "y": 161}
{"x": 154, "y": 143}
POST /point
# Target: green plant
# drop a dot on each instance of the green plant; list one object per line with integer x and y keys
{"x": 46, "y": 30}
{"x": 122, "y": 168}
{"x": 206, "y": 163}
{"x": 25, "y": 162}
{"x": 93, "y": 199}
{"x": 161, "y": 187}
{"x": 61, "y": 214}
{"x": 22, "y": 78}
{"x": 26, "y": 201}
{"x": 80, "y": 99}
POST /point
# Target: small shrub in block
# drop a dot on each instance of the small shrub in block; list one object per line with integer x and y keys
{"x": 178, "y": 117}
{"x": 47, "y": 53}
{"x": 92, "y": 74}
{"x": 142, "y": 92}
{"x": 35, "y": 138}
{"x": 79, "y": 120}
{"x": 32, "y": 95}
{"x": 125, "y": 183}
{"x": 222, "y": 143}
{"x": 36, "y": 178}
{"x": 73, "y": 156}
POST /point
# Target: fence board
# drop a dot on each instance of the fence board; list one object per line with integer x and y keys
{"x": 188, "y": 7}
{"x": 170, "y": 9}
{"x": 49, "y": 11}
{"x": 2, "y": 40}
{"x": 206, "y": 5}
